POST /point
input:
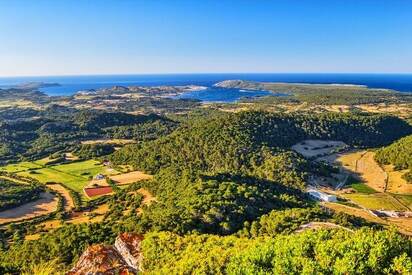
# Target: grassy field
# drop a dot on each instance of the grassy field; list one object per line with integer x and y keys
{"x": 75, "y": 175}
{"x": 21, "y": 166}
{"x": 376, "y": 201}
{"x": 396, "y": 184}
{"x": 362, "y": 188}
{"x": 405, "y": 199}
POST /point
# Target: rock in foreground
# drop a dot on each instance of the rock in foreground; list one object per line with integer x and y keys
{"x": 123, "y": 258}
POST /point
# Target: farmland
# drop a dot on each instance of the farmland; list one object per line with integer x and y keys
{"x": 46, "y": 204}
{"x": 397, "y": 184}
{"x": 101, "y": 187}
{"x": 316, "y": 148}
{"x": 376, "y": 201}
{"x": 75, "y": 175}
{"x": 370, "y": 181}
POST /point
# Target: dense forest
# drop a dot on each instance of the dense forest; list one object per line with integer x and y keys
{"x": 221, "y": 206}
{"x": 229, "y": 191}
{"x": 399, "y": 154}
{"x": 89, "y": 151}
{"x": 314, "y": 252}
{"x": 61, "y": 129}
{"x": 239, "y": 142}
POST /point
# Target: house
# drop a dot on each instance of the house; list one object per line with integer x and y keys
{"x": 321, "y": 196}
{"x": 99, "y": 177}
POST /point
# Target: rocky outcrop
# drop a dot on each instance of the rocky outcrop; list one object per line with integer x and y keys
{"x": 129, "y": 246}
{"x": 124, "y": 257}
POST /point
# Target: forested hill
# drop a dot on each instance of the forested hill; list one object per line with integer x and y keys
{"x": 323, "y": 93}
{"x": 399, "y": 154}
{"x": 32, "y": 134}
{"x": 236, "y": 142}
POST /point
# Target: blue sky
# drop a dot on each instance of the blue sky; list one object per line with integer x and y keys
{"x": 115, "y": 37}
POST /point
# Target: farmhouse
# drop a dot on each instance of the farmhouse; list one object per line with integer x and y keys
{"x": 321, "y": 196}
{"x": 99, "y": 177}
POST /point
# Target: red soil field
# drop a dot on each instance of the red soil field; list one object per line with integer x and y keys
{"x": 98, "y": 191}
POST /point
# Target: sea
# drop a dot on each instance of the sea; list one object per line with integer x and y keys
{"x": 69, "y": 85}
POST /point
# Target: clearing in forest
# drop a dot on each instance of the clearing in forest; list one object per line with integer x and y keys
{"x": 110, "y": 141}
{"x": 312, "y": 148}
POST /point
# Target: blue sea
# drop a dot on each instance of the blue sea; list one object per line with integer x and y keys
{"x": 71, "y": 84}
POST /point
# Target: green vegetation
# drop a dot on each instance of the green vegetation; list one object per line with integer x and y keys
{"x": 289, "y": 220}
{"x": 321, "y": 94}
{"x": 398, "y": 154}
{"x": 362, "y": 188}
{"x": 313, "y": 252}
{"x": 376, "y": 201}
{"x": 75, "y": 175}
{"x": 13, "y": 194}
{"x": 60, "y": 129}
{"x": 237, "y": 142}
{"x": 213, "y": 204}
{"x": 405, "y": 199}
{"x": 232, "y": 175}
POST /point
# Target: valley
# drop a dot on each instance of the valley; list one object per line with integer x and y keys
{"x": 201, "y": 183}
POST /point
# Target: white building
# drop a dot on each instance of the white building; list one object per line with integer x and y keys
{"x": 321, "y": 196}
{"x": 99, "y": 177}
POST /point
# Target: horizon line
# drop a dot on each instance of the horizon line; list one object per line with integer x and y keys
{"x": 206, "y": 73}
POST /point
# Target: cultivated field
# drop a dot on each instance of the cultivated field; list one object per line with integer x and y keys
{"x": 45, "y": 205}
{"x": 121, "y": 179}
{"x": 101, "y": 187}
{"x": 376, "y": 201}
{"x": 361, "y": 165}
{"x": 404, "y": 224}
{"x": 75, "y": 175}
{"x": 312, "y": 148}
{"x": 21, "y": 166}
{"x": 396, "y": 184}
{"x": 371, "y": 173}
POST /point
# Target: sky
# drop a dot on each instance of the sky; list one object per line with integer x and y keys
{"x": 67, "y": 37}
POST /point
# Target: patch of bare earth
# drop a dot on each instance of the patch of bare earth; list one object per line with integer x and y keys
{"x": 45, "y": 205}
{"x": 319, "y": 225}
{"x": 109, "y": 141}
{"x": 315, "y": 148}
